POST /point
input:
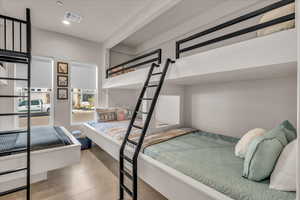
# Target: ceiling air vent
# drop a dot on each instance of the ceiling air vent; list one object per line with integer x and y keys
{"x": 73, "y": 17}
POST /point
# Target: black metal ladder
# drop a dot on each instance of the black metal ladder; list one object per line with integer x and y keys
{"x": 21, "y": 57}
{"x": 133, "y": 175}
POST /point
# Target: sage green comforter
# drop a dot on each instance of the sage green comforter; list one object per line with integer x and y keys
{"x": 209, "y": 158}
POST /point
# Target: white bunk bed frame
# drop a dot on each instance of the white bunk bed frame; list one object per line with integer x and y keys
{"x": 42, "y": 161}
{"x": 282, "y": 56}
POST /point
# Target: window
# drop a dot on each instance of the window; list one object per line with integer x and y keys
{"x": 84, "y": 92}
{"x": 41, "y": 92}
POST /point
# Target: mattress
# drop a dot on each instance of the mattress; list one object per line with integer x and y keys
{"x": 41, "y": 138}
{"x": 209, "y": 158}
{"x": 114, "y": 129}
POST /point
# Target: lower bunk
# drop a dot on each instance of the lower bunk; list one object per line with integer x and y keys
{"x": 51, "y": 148}
{"x": 192, "y": 164}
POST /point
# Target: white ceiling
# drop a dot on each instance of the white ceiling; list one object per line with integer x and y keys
{"x": 101, "y": 18}
{"x": 180, "y": 13}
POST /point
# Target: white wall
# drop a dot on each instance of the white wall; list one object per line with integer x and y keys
{"x": 168, "y": 109}
{"x": 122, "y": 97}
{"x": 117, "y": 57}
{"x": 57, "y": 45}
{"x": 234, "y": 108}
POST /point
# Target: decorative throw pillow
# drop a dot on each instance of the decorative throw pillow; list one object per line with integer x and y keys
{"x": 242, "y": 146}
{"x": 276, "y": 13}
{"x": 264, "y": 151}
{"x": 121, "y": 114}
{"x": 284, "y": 175}
{"x": 106, "y": 114}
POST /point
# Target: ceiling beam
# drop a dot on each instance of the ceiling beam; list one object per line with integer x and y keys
{"x": 147, "y": 14}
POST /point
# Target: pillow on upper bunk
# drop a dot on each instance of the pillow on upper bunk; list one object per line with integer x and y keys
{"x": 264, "y": 151}
{"x": 242, "y": 146}
{"x": 276, "y": 13}
{"x": 124, "y": 114}
{"x": 284, "y": 175}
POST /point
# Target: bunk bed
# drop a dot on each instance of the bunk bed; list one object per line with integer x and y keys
{"x": 219, "y": 64}
{"x": 26, "y": 155}
{"x": 260, "y": 55}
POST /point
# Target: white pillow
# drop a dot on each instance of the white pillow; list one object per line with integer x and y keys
{"x": 284, "y": 175}
{"x": 242, "y": 146}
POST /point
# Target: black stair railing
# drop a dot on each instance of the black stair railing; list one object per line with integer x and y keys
{"x": 137, "y": 145}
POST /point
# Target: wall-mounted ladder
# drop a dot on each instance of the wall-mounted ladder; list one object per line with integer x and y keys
{"x": 132, "y": 161}
{"x": 11, "y": 52}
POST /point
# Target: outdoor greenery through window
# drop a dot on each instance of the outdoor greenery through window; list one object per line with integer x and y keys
{"x": 83, "y": 105}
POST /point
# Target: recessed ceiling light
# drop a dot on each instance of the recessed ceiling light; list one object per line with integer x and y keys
{"x": 66, "y": 22}
{"x": 73, "y": 17}
{"x": 60, "y": 3}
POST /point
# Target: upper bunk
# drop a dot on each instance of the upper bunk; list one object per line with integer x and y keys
{"x": 15, "y": 39}
{"x": 270, "y": 52}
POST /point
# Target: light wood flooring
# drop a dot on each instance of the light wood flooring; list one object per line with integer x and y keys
{"x": 94, "y": 178}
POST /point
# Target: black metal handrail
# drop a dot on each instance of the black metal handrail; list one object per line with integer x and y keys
{"x": 10, "y": 34}
{"x": 233, "y": 22}
{"x": 157, "y": 59}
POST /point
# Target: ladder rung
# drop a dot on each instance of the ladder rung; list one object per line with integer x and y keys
{"x": 12, "y": 171}
{"x": 135, "y": 126}
{"x": 13, "y": 114}
{"x": 13, "y": 79}
{"x": 158, "y": 73}
{"x": 147, "y": 99}
{"x": 128, "y": 159}
{"x": 126, "y": 189}
{"x": 132, "y": 142}
{"x": 13, "y": 190}
{"x": 140, "y": 112}
{"x": 152, "y": 86}
{"x": 13, "y": 96}
{"x": 127, "y": 174}
{"x": 13, "y": 132}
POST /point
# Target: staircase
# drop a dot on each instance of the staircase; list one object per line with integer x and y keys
{"x": 132, "y": 174}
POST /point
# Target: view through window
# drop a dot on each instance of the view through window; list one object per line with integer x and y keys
{"x": 84, "y": 92}
{"x": 41, "y": 92}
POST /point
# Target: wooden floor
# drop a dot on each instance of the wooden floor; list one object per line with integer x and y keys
{"x": 93, "y": 179}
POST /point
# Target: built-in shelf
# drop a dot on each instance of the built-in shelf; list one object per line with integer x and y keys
{"x": 269, "y": 56}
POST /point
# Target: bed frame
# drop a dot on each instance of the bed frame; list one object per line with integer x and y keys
{"x": 12, "y": 50}
{"x": 159, "y": 176}
{"x": 42, "y": 161}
